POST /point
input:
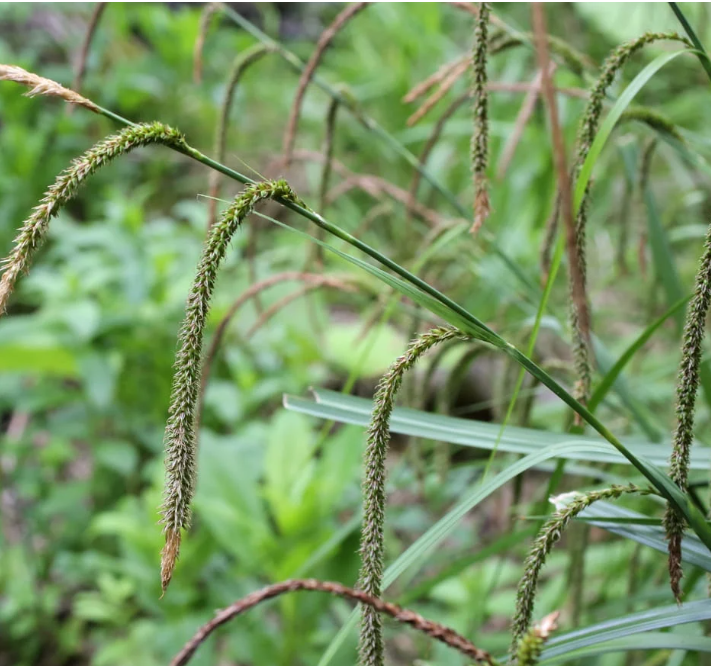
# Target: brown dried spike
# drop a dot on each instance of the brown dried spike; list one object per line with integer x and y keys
{"x": 41, "y": 86}
{"x": 169, "y": 556}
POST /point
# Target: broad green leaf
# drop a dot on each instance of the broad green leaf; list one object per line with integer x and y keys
{"x": 475, "y": 434}
{"x": 652, "y": 640}
{"x": 628, "y": 625}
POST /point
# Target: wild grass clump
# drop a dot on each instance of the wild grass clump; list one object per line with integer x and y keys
{"x": 191, "y": 370}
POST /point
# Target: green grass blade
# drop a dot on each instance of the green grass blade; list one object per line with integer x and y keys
{"x": 475, "y": 434}
{"x": 613, "y": 116}
{"x": 555, "y": 265}
{"x": 611, "y": 376}
{"x": 639, "y": 412}
{"x": 435, "y": 305}
{"x": 643, "y": 463}
{"x": 701, "y": 51}
{"x": 651, "y": 640}
{"x": 499, "y": 546}
{"x": 653, "y": 536}
{"x": 629, "y": 625}
{"x": 664, "y": 265}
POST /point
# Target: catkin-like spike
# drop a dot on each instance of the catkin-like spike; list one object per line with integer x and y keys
{"x": 614, "y": 62}
{"x": 531, "y": 645}
{"x": 41, "y": 86}
{"x": 579, "y": 311}
{"x": 549, "y": 535}
{"x": 372, "y": 539}
{"x": 65, "y": 187}
{"x": 653, "y": 119}
{"x": 480, "y": 137}
{"x": 180, "y": 446}
{"x": 687, "y": 387}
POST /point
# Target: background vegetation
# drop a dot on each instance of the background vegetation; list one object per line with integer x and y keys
{"x": 86, "y": 355}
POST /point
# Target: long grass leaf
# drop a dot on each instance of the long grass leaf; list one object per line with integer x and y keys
{"x": 651, "y": 640}
{"x": 694, "y": 552}
{"x": 475, "y": 434}
{"x": 628, "y": 625}
{"x": 611, "y": 376}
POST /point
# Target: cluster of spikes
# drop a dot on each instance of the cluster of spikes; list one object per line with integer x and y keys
{"x": 181, "y": 427}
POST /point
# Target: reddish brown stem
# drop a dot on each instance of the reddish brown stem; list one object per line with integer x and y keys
{"x": 431, "y": 81}
{"x": 205, "y": 18}
{"x": 86, "y": 45}
{"x": 327, "y": 36}
{"x": 432, "y": 629}
{"x": 524, "y": 115}
{"x": 431, "y": 143}
{"x": 446, "y": 85}
{"x": 564, "y": 190}
{"x": 290, "y": 298}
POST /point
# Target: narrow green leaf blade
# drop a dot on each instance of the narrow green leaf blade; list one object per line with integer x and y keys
{"x": 611, "y": 120}
{"x": 609, "y": 379}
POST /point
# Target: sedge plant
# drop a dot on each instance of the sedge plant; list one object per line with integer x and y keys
{"x": 180, "y": 443}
